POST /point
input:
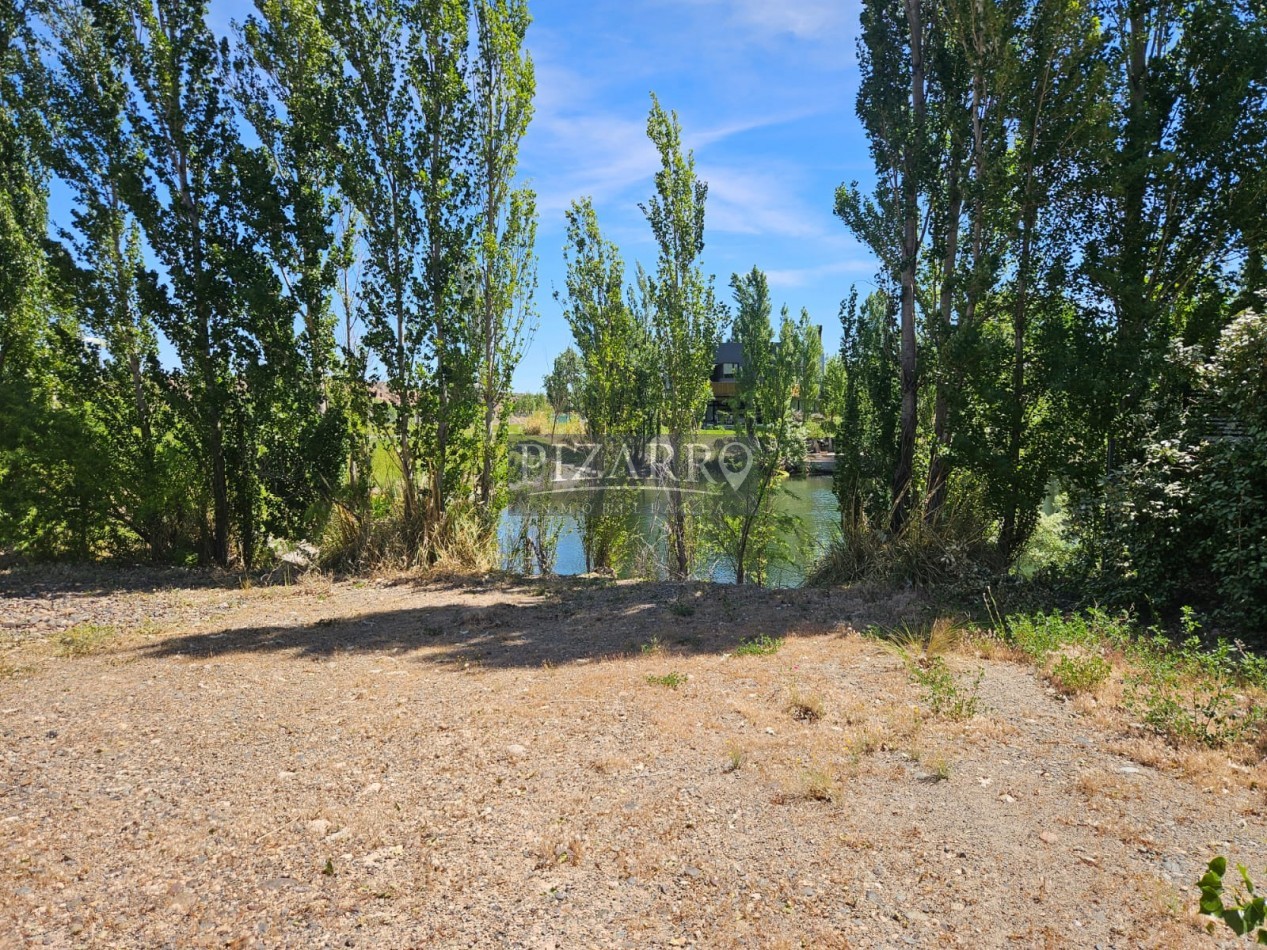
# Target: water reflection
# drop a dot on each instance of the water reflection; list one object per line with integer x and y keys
{"x": 809, "y": 500}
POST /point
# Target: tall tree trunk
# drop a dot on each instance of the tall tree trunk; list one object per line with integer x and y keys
{"x": 904, "y": 470}
{"x": 1009, "y": 531}
{"x": 677, "y": 515}
{"x": 939, "y": 463}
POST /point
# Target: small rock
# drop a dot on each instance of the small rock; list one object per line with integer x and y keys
{"x": 516, "y": 751}
{"x": 180, "y": 898}
{"x": 1047, "y": 837}
{"x": 371, "y": 789}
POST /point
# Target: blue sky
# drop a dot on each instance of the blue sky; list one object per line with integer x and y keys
{"x": 765, "y": 92}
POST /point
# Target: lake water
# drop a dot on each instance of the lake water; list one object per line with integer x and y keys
{"x": 809, "y": 500}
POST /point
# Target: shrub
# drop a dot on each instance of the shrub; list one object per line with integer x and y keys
{"x": 1249, "y": 912}
{"x": 1188, "y": 691}
{"x": 1079, "y": 674}
{"x": 816, "y": 785}
{"x": 1186, "y": 520}
{"x": 680, "y": 608}
{"x": 1038, "y": 635}
{"x": 945, "y": 698}
{"x": 956, "y": 551}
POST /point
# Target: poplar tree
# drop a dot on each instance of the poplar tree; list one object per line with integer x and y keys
{"x": 503, "y": 84}
{"x": 187, "y": 200}
{"x": 768, "y": 382}
{"x": 405, "y": 116}
{"x": 94, "y": 152}
{"x": 687, "y": 317}
{"x": 285, "y": 84}
{"x": 607, "y": 336}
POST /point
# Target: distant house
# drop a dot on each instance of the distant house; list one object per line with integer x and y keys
{"x": 381, "y": 392}
{"x": 724, "y": 381}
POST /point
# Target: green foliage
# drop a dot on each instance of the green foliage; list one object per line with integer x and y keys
{"x": 866, "y": 439}
{"x": 525, "y": 404}
{"x": 742, "y": 523}
{"x": 611, "y": 385}
{"x": 564, "y": 382}
{"x": 1245, "y": 913}
{"x": 686, "y": 319}
{"x": 503, "y": 86}
{"x": 1187, "y": 520}
{"x": 1039, "y": 635}
{"x": 671, "y": 680}
{"x": 946, "y": 698}
{"x": 764, "y": 645}
{"x": 1079, "y": 674}
{"x": 681, "y": 608}
{"x": 835, "y": 393}
{"x": 1188, "y": 691}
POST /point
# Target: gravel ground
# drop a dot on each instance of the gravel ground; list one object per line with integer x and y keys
{"x": 404, "y": 763}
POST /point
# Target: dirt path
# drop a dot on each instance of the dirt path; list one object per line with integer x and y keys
{"x": 400, "y": 764}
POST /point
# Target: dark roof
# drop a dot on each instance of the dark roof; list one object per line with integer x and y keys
{"x": 729, "y": 352}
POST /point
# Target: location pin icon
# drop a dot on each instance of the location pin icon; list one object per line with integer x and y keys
{"x": 735, "y": 477}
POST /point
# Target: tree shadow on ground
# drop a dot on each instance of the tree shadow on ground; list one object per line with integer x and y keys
{"x": 20, "y": 579}
{"x": 533, "y": 623}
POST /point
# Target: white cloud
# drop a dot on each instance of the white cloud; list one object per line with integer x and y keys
{"x": 802, "y": 276}
{"x": 823, "y": 20}
{"x": 579, "y": 152}
{"x": 804, "y": 19}
{"x": 742, "y": 201}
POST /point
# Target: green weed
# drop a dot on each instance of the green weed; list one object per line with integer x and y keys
{"x": 946, "y": 699}
{"x": 671, "y": 680}
{"x": 1246, "y": 915}
{"x": 680, "y": 608}
{"x": 1079, "y": 674}
{"x": 763, "y": 645}
{"x": 84, "y": 639}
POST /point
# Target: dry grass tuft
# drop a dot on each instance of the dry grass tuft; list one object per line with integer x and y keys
{"x": 735, "y": 757}
{"x": 944, "y": 636}
{"x": 552, "y": 853}
{"x": 804, "y": 707}
{"x": 813, "y": 784}
{"x": 1097, "y": 783}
